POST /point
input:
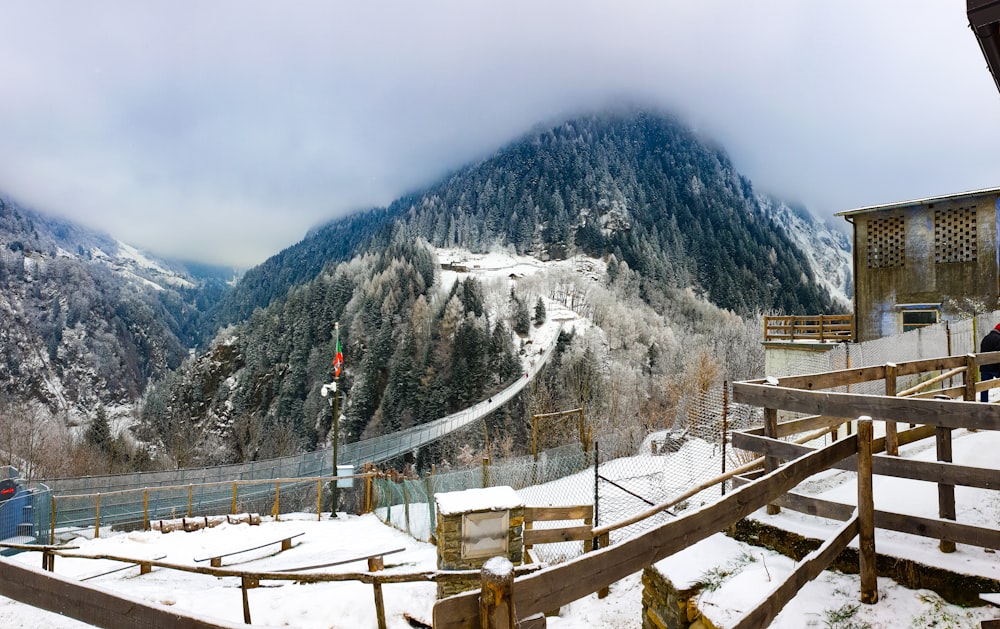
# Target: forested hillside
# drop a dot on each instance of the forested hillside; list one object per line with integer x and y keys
{"x": 86, "y": 322}
{"x": 677, "y": 258}
{"x": 639, "y": 186}
{"x": 414, "y": 355}
{"x": 682, "y": 234}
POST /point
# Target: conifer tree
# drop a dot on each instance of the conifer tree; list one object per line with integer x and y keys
{"x": 539, "y": 312}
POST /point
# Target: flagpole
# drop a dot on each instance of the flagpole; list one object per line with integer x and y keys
{"x": 336, "y": 418}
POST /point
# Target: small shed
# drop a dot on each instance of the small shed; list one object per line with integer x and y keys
{"x": 474, "y": 525}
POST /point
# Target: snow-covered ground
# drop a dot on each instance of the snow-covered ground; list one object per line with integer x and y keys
{"x": 739, "y": 575}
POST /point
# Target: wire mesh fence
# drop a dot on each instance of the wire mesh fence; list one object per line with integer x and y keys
{"x": 614, "y": 476}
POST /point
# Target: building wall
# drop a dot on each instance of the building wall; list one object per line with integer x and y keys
{"x": 942, "y": 253}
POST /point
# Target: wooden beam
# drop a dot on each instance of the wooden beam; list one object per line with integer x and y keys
{"x": 557, "y": 586}
{"x": 929, "y": 471}
{"x": 946, "y": 491}
{"x": 866, "y": 515}
{"x": 563, "y": 534}
{"x": 575, "y": 512}
{"x": 805, "y": 571}
{"x": 952, "y": 413}
{"x": 933, "y": 528}
{"x": 891, "y": 437}
{"x": 92, "y": 605}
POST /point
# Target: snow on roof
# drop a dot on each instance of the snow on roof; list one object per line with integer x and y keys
{"x": 485, "y": 499}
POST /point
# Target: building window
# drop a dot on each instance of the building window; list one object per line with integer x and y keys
{"x": 955, "y": 235}
{"x": 913, "y": 319}
{"x": 886, "y": 242}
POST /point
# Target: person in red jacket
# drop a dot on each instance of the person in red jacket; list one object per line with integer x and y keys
{"x": 990, "y": 343}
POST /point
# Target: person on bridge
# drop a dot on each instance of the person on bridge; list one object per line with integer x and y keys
{"x": 990, "y": 343}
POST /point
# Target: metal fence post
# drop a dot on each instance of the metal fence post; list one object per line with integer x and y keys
{"x": 725, "y": 428}
{"x": 597, "y": 494}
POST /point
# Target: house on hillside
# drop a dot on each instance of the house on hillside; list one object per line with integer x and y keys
{"x": 919, "y": 262}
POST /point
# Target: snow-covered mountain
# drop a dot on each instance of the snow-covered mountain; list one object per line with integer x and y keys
{"x": 827, "y": 249}
{"x": 85, "y": 320}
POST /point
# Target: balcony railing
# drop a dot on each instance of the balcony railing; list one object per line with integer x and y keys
{"x": 815, "y": 328}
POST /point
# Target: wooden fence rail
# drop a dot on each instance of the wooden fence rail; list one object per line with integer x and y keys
{"x": 554, "y": 587}
{"x": 822, "y": 328}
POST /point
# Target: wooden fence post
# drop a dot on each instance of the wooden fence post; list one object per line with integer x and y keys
{"x": 486, "y": 472}
{"x": 276, "y": 509}
{"x": 369, "y": 494}
{"x": 946, "y": 493}
{"x": 247, "y": 583}
{"x": 52, "y": 529}
{"x": 145, "y": 509}
{"x": 233, "y": 509}
{"x": 891, "y": 436}
{"x": 971, "y": 378}
{"x": 496, "y": 600}
{"x": 866, "y": 514}
{"x": 319, "y": 500}
{"x": 406, "y": 506}
{"x": 770, "y": 462}
{"x": 190, "y": 498}
{"x": 97, "y": 517}
{"x": 374, "y": 565}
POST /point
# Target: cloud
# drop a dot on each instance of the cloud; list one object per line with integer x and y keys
{"x": 222, "y": 131}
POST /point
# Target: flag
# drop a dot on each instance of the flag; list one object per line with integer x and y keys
{"x": 338, "y": 360}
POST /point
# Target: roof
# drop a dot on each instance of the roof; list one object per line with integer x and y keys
{"x": 984, "y": 19}
{"x": 927, "y": 201}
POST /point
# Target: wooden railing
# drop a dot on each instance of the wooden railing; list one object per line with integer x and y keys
{"x": 788, "y": 463}
{"x": 820, "y": 328}
{"x": 557, "y": 586}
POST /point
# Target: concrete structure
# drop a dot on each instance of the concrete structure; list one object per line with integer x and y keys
{"x": 922, "y": 261}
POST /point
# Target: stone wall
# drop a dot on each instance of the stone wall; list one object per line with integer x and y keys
{"x": 666, "y": 607}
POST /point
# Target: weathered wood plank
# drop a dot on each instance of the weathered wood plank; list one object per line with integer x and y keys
{"x": 562, "y": 534}
{"x": 554, "y": 587}
{"x": 866, "y": 515}
{"x": 805, "y": 571}
{"x": 575, "y": 512}
{"x": 952, "y": 413}
{"x": 90, "y": 604}
{"x": 946, "y": 491}
{"x": 929, "y": 471}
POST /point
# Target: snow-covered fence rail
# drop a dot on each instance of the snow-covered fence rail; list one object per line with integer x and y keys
{"x": 554, "y": 587}
{"x": 101, "y": 608}
{"x": 136, "y": 508}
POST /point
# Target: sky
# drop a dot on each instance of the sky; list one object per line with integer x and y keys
{"x": 222, "y": 132}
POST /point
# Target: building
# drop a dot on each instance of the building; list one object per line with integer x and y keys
{"x": 919, "y": 262}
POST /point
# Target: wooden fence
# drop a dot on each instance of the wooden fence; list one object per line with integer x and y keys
{"x": 821, "y": 328}
{"x": 143, "y": 496}
{"x": 557, "y": 586}
{"x": 933, "y": 408}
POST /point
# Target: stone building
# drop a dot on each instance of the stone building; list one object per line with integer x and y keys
{"x": 923, "y": 261}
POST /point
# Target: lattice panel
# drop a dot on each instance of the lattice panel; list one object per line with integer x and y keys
{"x": 955, "y": 235}
{"x": 886, "y": 242}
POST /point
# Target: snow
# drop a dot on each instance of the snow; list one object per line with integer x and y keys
{"x": 736, "y": 575}
{"x": 741, "y": 576}
{"x": 484, "y": 499}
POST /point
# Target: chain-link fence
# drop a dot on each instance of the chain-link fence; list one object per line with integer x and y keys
{"x": 624, "y": 483}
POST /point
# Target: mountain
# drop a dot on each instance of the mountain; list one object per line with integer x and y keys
{"x": 636, "y": 186}
{"x": 828, "y": 250}
{"x": 85, "y": 320}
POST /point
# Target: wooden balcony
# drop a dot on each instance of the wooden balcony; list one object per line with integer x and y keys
{"x": 814, "y": 328}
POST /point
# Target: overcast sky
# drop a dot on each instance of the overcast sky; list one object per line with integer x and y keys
{"x": 222, "y": 131}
